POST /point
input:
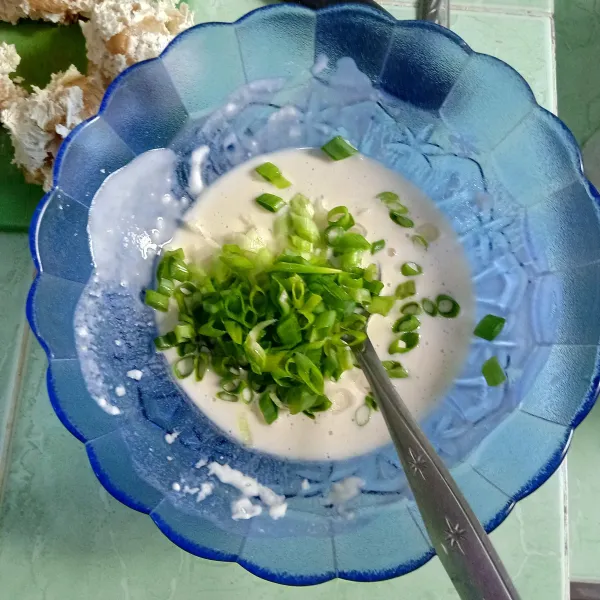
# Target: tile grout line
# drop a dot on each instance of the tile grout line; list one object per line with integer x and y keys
{"x": 11, "y": 415}
{"x": 461, "y": 8}
{"x": 566, "y": 562}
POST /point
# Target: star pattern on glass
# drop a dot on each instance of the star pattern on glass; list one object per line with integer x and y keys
{"x": 455, "y": 535}
{"x": 417, "y": 463}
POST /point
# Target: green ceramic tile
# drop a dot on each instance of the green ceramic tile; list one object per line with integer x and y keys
{"x": 224, "y": 10}
{"x": 524, "y": 42}
{"x": 577, "y": 24}
{"x": 578, "y": 75}
{"x": 518, "y": 6}
{"x": 584, "y": 491}
{"x": 16, "y": 273}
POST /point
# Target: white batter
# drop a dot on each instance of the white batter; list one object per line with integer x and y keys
{"x": 227, "y": 208}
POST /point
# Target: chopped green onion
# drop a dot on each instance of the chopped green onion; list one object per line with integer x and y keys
{"x": 412, "y": 308}
{"x": 255, "y": 353}
{"x": 300, "y": 399}
{"x": 405, "y": 343}
{"x": 338, "y": 148}
{"x": 183, "y": 332}
{"x": 392, "y": 201}
{"x": 411, "y": 269}
{"x": 381, "y": 305}
{"x": 377, "y": 246}
{"x": 350, "y": 260}
{"x": 388, "y": 197}
{"x": 394, "y": 369}
{"x": 164, "y": 342}
{"x": 300, "y": 244}
{"x": 340, "y": 217}
{"x": 420, "y": 241}
{"x": 166, "y": 287}
{"x": 351, "y": 241}
{"x": 429, "y": 307}
{"x": 184, "y": 367}
{"x": 371, "y": 402}
{"x": 227, "y": 397}
{"x": 270, "y": 202}
{"x": 399, "y": 218}
{"x": 493, "y": 372}
{"x": 288, "y": 331}
{"x": 406, "y": 290}
{"x": 157, "y": 301}
{"x": 490, "y": 327}
{"x": 302, "y": 269}
{"x": 235, "y": 331}
{"x": 371, "y": 273}
{"x": 272, "y": 326}
{"x": 268, "y": 408}
{"x": 375, "y": 287}
{"x": 309, "y": 373}
{"x": 447, "y": 306}
{"x": 406, "y": 323}
{"x": 178, "y": 270}
{"x": 273, "y": 175}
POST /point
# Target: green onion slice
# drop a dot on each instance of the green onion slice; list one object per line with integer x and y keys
{"x": 411, "y": 269}
{"x": 377, "y": 246}
{"x": 351, "y": 241}
{"x": 447, "y": 306}
{"x": 371, "y": 402}
{"x": 381, "y": 305}
{"x": 339, "y": 149}
{"x": 420, "y": 242}
{"x": 164, "y": 342}
{"x": 406, "y": 290}
{"x": 405, "y": 343}
{"x": 340, "y": 217}
{"x": 184, "y": 367}
{"x": 270, "y": 202}
{"x": 493, "y": 372}
{"x": 429, "y": 307}
{"x": 394, "y": 369}
{"x": 273, "y": 175}
{"x": 411, "y": 308}
{"x": 490, "y": 327}
{"x": 268, "y": 408}
{"x": 399, "y": 218}
{"x": 406, "y": 323}
{"x": 157, "y": 301}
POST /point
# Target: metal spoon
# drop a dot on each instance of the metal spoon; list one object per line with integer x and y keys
{"x": 459, "y": 539}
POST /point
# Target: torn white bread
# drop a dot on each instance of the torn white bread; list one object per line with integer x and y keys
{"x": 38, "y": 123}
{"x": 120, "y": 33}
{"x": 55, "y": 11}
{"x": 10, "y": 91}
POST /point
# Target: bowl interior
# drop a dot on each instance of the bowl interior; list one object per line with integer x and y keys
{"x": 466, "y": 130}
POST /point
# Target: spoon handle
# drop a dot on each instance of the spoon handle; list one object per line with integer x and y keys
{"x": 459, "y": 539}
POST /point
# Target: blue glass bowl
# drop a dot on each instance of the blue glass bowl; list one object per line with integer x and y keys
{"x": 462, "y": 126}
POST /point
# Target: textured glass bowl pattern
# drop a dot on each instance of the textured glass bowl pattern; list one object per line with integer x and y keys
{"x": 462, "y": 126}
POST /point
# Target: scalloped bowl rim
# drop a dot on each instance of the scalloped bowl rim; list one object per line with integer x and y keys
{"x": 553, "y": 462}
